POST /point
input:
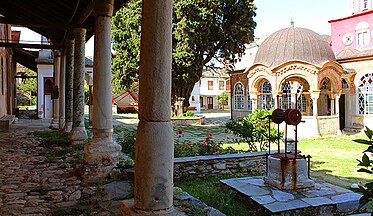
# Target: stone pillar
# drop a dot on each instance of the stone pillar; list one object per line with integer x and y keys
{"x": 315, "y": 97}
{"x": 276, "y": 96}
{"x": 154, "y": 160}
{"x": 254, "y": 98}
{"x": 102, "y": 153}
{"x": 61, "y": 92}
{"x": 337, "y": 96}
{"x": 69, "y": 85}
{"x": 308, "y": 104}
{"x": 56, "y": 81}
{"x": 332, "y": 104}
{"x": 78, "y": 133}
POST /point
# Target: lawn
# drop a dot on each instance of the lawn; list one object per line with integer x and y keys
{"x": 336, "y": 156}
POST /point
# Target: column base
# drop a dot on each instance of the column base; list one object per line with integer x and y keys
{"x": 54, "y": 124}
{"x": 127, "y": 208}
{"x": 68, "y": 127}
{"x": 100, "y": 157}
{"x": 78, "y": 135}
{"x": 61, "y": 123}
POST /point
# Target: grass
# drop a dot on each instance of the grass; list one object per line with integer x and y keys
{"x": 336, "y": 157}
{"x": 209, "y": 191}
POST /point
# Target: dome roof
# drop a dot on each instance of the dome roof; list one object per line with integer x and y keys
{"x": 292, "y": 44}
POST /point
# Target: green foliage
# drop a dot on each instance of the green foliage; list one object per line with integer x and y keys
{"x": 27, "y": 89}
{"x": 187, "y": 114}
{"x": 208, "y": 146}
{"x": 223, "y": 98}
{"x": 127, "y": 139}
{"x": 367, "y": 189}
{"x": 50, "y": 138}
{"x": 209, "y": 191}
{"x": 254, "y": 129}
{"x": 201, "y": 31}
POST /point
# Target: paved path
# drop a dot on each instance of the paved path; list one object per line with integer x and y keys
{"x": 30, "y": 182}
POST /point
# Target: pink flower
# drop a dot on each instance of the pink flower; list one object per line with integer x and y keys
{"x": 210, "y": 135}
{"x": 186, "y": 144}
{"x": 180, "y": 131}
{"x": 216, "y": 153}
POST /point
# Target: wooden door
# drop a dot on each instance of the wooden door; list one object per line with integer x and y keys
{"x": 210, "y": 103}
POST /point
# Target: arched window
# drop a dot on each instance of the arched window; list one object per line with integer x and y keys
{"x": 301, "y": 100}
{"x": 266, "y": 99}
{"x": 239, "y": 100}
{"x": 365, "y": 95}
{"x": 249, "y": 101}
{"x": 286, "y": 96}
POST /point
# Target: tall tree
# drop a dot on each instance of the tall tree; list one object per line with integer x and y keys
{"x": 203, "y": 31}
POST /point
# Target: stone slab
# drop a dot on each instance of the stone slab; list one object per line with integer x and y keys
{"x": 266, "y": 199}
{"x": 286, "y": 206}
{"x": 282, "y": 196}
{"x": 347, "y": 202}
{"x": 318, "y": 201}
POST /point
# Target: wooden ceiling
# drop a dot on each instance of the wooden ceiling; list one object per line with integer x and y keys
{"x": 51, "y": 18}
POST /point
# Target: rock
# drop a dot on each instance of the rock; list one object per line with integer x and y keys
{"x": 117, "y": 190}
{"x": 75, "y": 196}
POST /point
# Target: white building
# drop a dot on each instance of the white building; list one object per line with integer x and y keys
{"x": 45, "y": 82}
{"x": 211, "y": 84}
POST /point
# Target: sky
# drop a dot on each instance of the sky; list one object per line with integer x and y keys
{"x": 273, "y": 15}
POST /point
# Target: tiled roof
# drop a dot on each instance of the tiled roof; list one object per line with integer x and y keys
{"x": 294, "y": 44}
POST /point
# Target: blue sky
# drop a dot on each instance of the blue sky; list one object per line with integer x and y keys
{"x": 273, "y": 15}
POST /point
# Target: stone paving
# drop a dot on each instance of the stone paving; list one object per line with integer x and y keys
{"x": 323, "y": 199}
{"x": 35, "y": 180}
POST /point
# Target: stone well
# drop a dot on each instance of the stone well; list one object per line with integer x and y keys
{"x": 288, "y": 172}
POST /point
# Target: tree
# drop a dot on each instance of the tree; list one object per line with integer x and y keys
{"x": 223, "y": 98}
{"x": 202, "y": 31}
{"x": 27, "y": 89}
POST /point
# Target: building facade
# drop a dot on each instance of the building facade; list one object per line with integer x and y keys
{"x": 211, "y": 84}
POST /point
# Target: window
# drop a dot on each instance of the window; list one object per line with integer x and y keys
{"x": 365, "y": 4}
{"x": 362, "y": 34}
{"x": 266, "y": 99}
{"x": 221, "y": 84}
{"x": 362, "y": 38}
{"x": 228, "y": 85}
{"x": 239, "y": 100}
{"x": 210, "y": 85}
{"x": 286, "y": 96}
{"x": 365, "y": 95}
{"x": 249, "y": 101}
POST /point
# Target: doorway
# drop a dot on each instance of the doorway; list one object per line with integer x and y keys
{"x": 48, "y": 106}
{"x": 210, "y": 103}
{"x": 342, "y": 112}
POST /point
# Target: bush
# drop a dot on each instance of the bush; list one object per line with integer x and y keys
{"x": 254, "y": 129}
{"x": 127, "y": 139}
{"x": 367, "y": 189}
{"x": 208, "y": 146}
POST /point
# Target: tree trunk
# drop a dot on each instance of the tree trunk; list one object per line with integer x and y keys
{"x": 181, "y": 93}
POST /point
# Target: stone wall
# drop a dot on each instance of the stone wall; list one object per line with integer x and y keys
{"x": 188, "y": 121}
{"x": 218, "y": 165}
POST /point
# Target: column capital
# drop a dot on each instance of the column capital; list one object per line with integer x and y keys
{"x": 104, "y": 8}
{"x": 77, "y": 31}
{"x": 315, "y": 94}
{"x": 57, "y": 53}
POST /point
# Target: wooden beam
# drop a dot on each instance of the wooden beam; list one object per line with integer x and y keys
{"x": 86, "y": 12}
{"x": 53, "y": 25}
{"x": 31, "y": 46}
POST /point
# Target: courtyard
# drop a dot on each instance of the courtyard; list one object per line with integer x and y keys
{"x": 40, "y": 178}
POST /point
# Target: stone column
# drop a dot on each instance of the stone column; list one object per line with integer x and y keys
{"x": 337, "y": 96}
{"x": 102, "y": 153}
{"x": 332, "y": 104}
{"x": 61, "y": 92}
{"x": 154, "y": 141}
{"x": 254, "y": 98}
{"x": 69, "y": 85}
{"x": 78, "y": 133}
{"x": 56, "y": 81}
{"x": 315, "y": 97}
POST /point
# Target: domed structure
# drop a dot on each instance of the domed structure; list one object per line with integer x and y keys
{"x": 294, "y": 44}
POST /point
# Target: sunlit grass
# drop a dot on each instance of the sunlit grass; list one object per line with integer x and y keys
{"x": 336, "y": 156}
